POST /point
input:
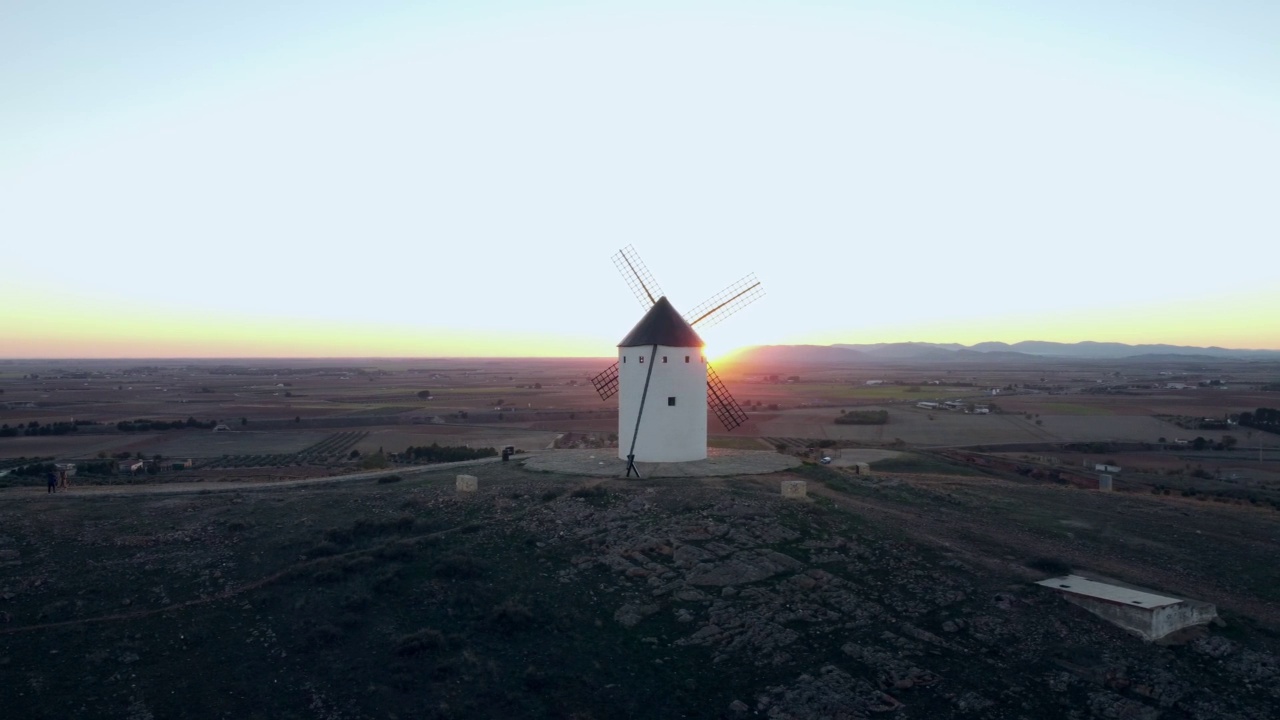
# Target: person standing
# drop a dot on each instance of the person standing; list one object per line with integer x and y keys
{"x": 62, "y": 480}
{"x": 53, "y": 481}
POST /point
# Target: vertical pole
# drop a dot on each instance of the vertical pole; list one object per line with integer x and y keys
{"x": 631, "y": 452}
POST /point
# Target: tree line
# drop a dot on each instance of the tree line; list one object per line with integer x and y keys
{"x": 444, "y": 453}
{"x": 1265, "y": 419}
{"x": 35, "y": 428}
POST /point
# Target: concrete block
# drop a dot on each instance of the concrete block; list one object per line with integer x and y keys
{"x": 794, "y": 489}
{"x": 467, "y": 483}
{"x": 1104, "y": 483}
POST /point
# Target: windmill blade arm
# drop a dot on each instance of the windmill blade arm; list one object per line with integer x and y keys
{"x": 727, "y": 410}
{"x": 637, "y": 276}
{"x": 606, "y": 383}
{"x": 726, "y": 302}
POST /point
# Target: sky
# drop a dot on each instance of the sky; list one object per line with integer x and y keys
{"x": 255, "y": 179}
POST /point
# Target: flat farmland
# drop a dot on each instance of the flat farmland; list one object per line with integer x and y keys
{"x": 74, "y": 445}
{"x": 944, "y": 428}
{"x": 207, "y": 444}
{"x": 1199, "y": 402}
{"x": 836, "y": 393}
{"x": 398, "y": 438}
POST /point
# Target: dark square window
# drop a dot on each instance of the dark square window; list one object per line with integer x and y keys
{"x": 671, "y": 401}
{"x": 641, "y": 359}
{"x": 624, "y": 358}
{"x": 664, "y": 358}
{"x": 686, "y": 358}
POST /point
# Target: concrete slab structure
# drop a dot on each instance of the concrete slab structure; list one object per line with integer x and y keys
{"x": 794, "y": 489}
{"x": 467, "y": 483}
{"x": 1144, "y": 613}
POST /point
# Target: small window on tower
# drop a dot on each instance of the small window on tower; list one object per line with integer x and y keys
{"x": 624, "y": 358}
{"x": 671, "y": 401}
{"x": 686, "y": 358}
{"x": 664, "y": 358}
{"x": 641, "y": 359}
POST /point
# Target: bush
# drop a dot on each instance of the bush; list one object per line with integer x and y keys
{"x": 590, "y": 491}
{"x": 1053, "y": 566}
{"x": 446, "y": 453}
{"x": 511, "y": 617}
{"x": 388, "y": 479}
{"x": 423, "y": 641}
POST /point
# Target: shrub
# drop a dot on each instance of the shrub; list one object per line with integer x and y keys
{"x": 511, "y": 617}
{"x": 388, "y": 479}
{"x": 1053, "y": 566}
{"x": 423, "y": 641}
{"x": 323, "y": 549}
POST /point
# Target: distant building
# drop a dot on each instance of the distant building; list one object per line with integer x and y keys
{"x": 981, "y": 410}
{"x": 1103, "y": 468}
{"x": 1176, "y": 386}
{"x": 130, "y": 466}
{"x": 875, "y": 382}
{"x": 221, "y": 428}
{"x": 953, "y": 405}
{"x": 927, "y": 405}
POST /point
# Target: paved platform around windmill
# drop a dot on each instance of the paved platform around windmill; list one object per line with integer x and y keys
{"x": 605, "y": 463}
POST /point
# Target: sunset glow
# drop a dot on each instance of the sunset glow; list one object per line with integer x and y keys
{"x": 451, "y": 180}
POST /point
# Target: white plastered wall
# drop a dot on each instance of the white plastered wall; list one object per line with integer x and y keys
{"x": 667, "y": 433}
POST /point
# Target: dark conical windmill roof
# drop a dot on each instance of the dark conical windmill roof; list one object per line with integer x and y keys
{"x": 662, "y": 325}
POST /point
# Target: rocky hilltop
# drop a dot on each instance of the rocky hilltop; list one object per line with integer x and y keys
{"x": 546, "y": 596}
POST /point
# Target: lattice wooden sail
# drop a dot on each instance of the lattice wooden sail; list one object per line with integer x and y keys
{"x": 726, "y": 302}
{"x": 714, "y": 310}
{"x": 727, "y": 409}
{"x": 638, "y": 277}
{"x": 607, "y": 382}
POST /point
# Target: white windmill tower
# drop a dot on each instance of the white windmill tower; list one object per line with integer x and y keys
{"x": 662, "y": 376}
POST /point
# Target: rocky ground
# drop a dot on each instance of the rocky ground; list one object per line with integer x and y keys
{"x": 546, "y": 596}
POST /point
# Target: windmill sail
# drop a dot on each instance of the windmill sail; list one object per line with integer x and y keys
{"x": 638, "y": 277}
{"x": 726, "y": 302}
{"x": 714, "y": 310}
{"x": 727, "y": 409}
{"x": 607, "y": 382}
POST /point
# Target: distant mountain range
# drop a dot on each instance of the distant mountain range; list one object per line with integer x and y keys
{"x": 1029, "y": 351}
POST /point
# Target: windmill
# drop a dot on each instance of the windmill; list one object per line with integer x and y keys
{"x": 662, "y": 375}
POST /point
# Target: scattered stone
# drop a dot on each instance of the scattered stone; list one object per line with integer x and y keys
{"x": 1214, "y": 646}
{"x": 630, "y": 615}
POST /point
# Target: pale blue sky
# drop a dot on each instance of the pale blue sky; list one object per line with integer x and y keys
{"x": 891, "y": 171}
